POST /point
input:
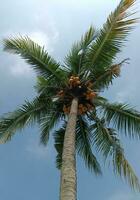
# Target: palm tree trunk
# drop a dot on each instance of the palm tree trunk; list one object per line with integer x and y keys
{"x": 68, "y": 186}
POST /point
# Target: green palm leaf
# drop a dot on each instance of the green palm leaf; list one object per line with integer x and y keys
{"x": 123, "y": 117}
{"x": 48, "y": 86}
{"x": 103, "y": 138}
{"x": 107, "y": 142}
{"x": 122, "y": 167}
{"x": 88, "y": 38}
{"x": 59, "y": 140}
{"x": 72, "y": 59}
{"x": 83, "y": 146}
{"x": 111, "y": 36}
{"x": 29, "y": 113}
{"x": 47, "y": 124}
{"x": 35, "y": 55}
{"x": 75, "y": 60}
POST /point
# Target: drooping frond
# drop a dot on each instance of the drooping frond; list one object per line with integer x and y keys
{"x": 83, "y": 146}
{"x": 76, "y": 58}
{"x": 123, "y": 117}
{"x": 107, "y": 142}
{"x": 30, "y": 112}
{"x": 35, "y": 55}
{"x": 104, "y": 139}
{"x": 111, "y": 36}
{"x": 47, "y": 123}
{"x": 122, "y": 167}
{"x": 59, "y": 140}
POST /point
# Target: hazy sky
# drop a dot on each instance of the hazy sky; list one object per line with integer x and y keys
{"x": 27, "y": 170}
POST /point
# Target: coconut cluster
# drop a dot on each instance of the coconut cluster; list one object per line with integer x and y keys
{"x": 74, "y": 81}
{"x": 82, "y": 91}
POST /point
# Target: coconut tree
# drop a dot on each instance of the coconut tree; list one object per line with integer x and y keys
{"x": 69, "y": 99}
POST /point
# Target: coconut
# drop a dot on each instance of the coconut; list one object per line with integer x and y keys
{"x": 78, "y": 82}
{"x": 71, "y": 79}
{"x": 92, "y": 94}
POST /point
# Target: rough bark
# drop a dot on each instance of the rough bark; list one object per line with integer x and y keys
{"x": 68, "y": 186}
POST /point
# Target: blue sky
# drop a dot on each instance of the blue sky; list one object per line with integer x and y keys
{"x": 27, "y": 170}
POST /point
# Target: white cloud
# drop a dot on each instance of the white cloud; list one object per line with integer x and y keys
{"x": 40, "y": 38}
{"x": 45, "y": 35}
{"x": 43, "y": 39}
{"x": 20, "y": 69}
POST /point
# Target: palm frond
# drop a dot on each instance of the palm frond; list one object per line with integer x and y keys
{"x": 104, "y": 139}
{"x": 35, "y": 55}
{"x": 107, "y": 142}
{"x": 47, "y": 123}
{"x": 29, "y": 113}
{"x": 59, "y": 140}
{"x": 112, "y": 36}
{"x": 102, "y": 79}
{"x": 88, "y": 38}
{"x": 83, "y": 146}
{"x": 75, "y": 59}
{"x": 123, "y": 117}
{"x": 47, "y": 86}
{"x": 123, "y": 168}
